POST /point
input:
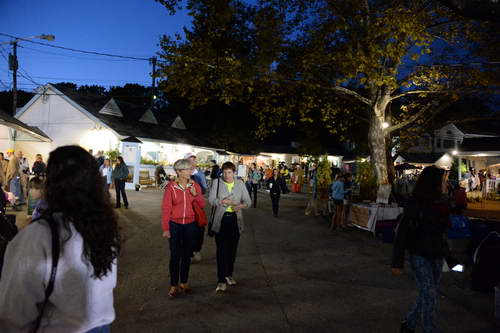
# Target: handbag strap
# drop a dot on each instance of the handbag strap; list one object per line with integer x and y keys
{"x": 55, "y": 260}
{"x": 217, "y": 197}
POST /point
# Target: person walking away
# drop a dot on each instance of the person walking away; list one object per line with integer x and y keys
{"x": 276, "y": 185}
{"x": 39, "y": 166}
{"x": 254, "y": 178}
{"x": 200, "y": 179}
{"x": 107, "y": 175}
{"x": 120, "y": 175}
{"x": 347, "y": 200}
{"x": 24, "y": 170}
{"x": 13, "y": 176}
{"x": 89, "y": 244}
{"x": 229, "y": 196}
{"x": 179, "y": 225}
{"x": 338, "y": 194}
{"x": 422, "y": 232}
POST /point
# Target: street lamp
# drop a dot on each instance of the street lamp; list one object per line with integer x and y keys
{"x": 13, "y": 64}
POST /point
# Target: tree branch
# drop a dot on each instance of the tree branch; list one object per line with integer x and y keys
{"x": 352, "y": 93}
{"x": 409, "y": 120}
{"x": 419, "y": 92}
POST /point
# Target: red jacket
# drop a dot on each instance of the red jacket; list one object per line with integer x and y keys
{"x": 177, "y": 205}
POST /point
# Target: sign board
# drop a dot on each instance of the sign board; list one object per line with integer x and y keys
{"x": 360, "y": 216}
{"x": 242, "y": 171}
{"x": 129, "y": 154}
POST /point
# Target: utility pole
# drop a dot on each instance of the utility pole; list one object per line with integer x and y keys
{"x": 153, "y": 85}
{"x": 13, "y": 64}
{"x": 13, "y": 67}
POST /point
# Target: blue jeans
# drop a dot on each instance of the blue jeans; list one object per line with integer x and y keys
{"x": 101, "y": 329}
{"x": 426, "y": 273}
{"x": 183, "y": 238}
{"x": 15, "y": 188}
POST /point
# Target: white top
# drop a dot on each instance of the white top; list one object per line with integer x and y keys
{"x": 105, "y": 171}
{"x": 78, "y": 302}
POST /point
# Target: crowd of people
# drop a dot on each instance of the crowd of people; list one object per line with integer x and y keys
{"x": 73, "y": 241}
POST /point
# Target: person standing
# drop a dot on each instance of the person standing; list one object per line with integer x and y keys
{"x": 277, "y": 186}
{"x": 200, "y": 179}
{"x": 298, "y": 179}
{"x": 89, "y": 241}
{"x": 4, "y": 164}
{"x": 254, "y": 178}
{"x": 13, "y": 176}
{"x": 229, "y": 196}
{"x": 24, "y": 170}
{"x": 338, "y": 195}
{"x": 422, "y": 232}
{"x": 100, "y": 158}
{"x": 107, "y": 175}
{"x": 215, "y": 173}
{"x": 179, "y": 225}
{"x": 347, "y": 200}
{"x": 39, "y": 166}
{"x": 120, "y": 175}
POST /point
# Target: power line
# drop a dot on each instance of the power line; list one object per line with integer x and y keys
{"x": 75, "y": 50}
{"x": 74, "y": 56}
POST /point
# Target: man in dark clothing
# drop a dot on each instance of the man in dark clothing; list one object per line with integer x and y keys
{"x": 215, "y": 173}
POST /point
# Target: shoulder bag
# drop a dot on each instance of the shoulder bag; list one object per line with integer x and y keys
{"x": 55, "y": 259}
{"x": 212, "y": 214}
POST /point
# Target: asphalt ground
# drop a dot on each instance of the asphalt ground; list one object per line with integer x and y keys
{"x": 293, "y": 276}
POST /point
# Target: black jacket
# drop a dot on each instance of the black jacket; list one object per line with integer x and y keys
{"x": 277, "y": 186}
{"x": 422, "y": 231}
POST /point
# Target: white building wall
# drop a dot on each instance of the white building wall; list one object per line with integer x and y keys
{"x": 65, "y": 125}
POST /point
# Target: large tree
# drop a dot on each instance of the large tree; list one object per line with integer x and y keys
{"x": 344, "y": 60}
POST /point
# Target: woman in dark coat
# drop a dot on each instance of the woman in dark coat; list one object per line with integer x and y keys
{"x": 422, "y": 232}
{"x": 276, "y": 185}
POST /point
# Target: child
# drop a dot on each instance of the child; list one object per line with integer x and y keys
{"x": 36, "y": 189}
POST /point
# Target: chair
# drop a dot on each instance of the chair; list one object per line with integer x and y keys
{"x": 145, "y": 178}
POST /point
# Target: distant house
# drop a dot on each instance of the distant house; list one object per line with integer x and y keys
{"x": 470, "y": 141}
{"x": 103, "y": 123}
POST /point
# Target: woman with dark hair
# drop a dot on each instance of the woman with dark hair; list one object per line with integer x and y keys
{"x": 82, "y": 297}
{"x": 120, "y": 175}
{"x": 229, "y": 196}
{"x": 422, "y": 232}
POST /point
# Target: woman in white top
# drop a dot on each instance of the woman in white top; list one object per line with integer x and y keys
{"x": 82, "y": 298}
{"x": 107, "y": 174}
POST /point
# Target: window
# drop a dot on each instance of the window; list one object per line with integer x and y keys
{"x": 448, "y": 144}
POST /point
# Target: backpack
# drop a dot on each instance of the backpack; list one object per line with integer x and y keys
{"x": 486, "y": 264}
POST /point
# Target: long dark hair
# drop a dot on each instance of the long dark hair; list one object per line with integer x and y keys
{"x": 429, "y": 184}
{"x": 74, "y": 187}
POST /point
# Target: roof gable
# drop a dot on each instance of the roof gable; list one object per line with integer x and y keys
{"x": 178, "y": 123}
{"x": 148, "y": 117}
{"x": 111, "y": 109}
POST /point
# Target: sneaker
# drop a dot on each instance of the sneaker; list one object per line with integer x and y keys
{"x": 196, "y": 256}
{"x": 230, "y": 281}
{"x": 221, "y": 287}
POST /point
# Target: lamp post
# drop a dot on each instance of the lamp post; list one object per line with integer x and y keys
{"x": 13, "y": 64}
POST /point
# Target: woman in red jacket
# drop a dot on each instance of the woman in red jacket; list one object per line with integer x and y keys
{"x": 179, "y": 225}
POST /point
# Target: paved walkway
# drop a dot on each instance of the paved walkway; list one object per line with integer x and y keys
{"x": 293, "y": 275}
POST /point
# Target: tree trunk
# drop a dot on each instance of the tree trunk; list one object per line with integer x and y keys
{"x": 377, "y": 144}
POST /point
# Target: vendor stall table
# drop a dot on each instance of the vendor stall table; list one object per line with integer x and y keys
{"x": 365, "y": 216}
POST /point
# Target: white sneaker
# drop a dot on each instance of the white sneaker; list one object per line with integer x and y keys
{"x": 230, "y": 281}
{"x": 221, "y": 287}
{"x": 196, "y": 256}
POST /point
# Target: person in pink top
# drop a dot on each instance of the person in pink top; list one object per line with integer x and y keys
{"x": 179, "y": 225}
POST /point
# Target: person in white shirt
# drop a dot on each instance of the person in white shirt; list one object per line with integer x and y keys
{"x": 82, "y": 298}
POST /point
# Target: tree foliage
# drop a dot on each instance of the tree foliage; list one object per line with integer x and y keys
{"x": 329, "y": 63}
